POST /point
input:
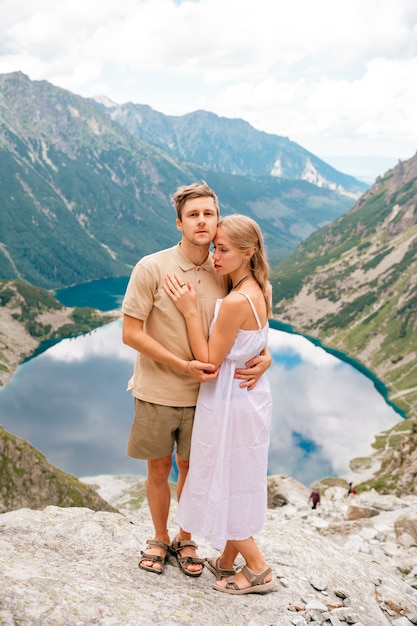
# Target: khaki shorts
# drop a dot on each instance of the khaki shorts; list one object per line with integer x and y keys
{"x": 156, "y": 429}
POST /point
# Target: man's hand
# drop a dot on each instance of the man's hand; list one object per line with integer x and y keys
{"x": 254, "y": 369}
{"x": 202, "y": 372}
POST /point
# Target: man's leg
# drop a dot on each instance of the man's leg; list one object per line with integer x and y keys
{"x": 182, "y": 474}
{"x": 182, "y": 535}
{"x": 159, "y": 498}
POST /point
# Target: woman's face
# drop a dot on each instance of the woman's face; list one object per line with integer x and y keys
{"x": 226, "y": 257}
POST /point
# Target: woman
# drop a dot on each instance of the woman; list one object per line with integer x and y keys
{"x": 224, "y": 498}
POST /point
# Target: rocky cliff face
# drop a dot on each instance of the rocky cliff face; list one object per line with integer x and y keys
{"x": 28, "y": 480}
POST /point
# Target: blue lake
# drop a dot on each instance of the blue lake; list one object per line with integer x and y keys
{"x": 71, "y": 402}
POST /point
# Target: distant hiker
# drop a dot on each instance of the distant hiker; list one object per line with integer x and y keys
{"x": 351, "y": 490}
{"x": 315, "y": 498}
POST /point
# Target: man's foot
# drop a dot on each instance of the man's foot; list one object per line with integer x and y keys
{"x": 155, "y": 557}
{"x": 185, "y": 552}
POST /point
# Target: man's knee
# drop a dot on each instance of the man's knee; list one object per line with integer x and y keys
{"x": 159, "y": 469}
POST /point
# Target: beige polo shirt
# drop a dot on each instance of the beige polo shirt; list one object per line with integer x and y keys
{"x": 146, "y": 300}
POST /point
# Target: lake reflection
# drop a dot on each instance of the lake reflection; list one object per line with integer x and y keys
{"x": 70, "y": 403}
{"x": 325, "y": 411}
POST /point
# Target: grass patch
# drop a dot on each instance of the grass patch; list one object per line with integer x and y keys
{"x": 360, "y": 463}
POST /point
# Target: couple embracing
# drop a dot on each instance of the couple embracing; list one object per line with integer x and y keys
{"x": 199, "y": 323}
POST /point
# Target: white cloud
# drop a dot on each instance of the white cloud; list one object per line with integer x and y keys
{"x": 102, "y": 342}
{"x": 337, "y": 78}
{"x": 308, "y": 352}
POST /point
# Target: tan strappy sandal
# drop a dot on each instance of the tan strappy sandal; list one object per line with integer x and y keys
{"x": 175, "y": 549}
{"x": 257, "y": 583}
{"x": 213, "y": 566}
{"x": 156, "y": 558}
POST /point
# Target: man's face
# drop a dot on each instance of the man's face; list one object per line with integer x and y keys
{"x": 199, "y": 221}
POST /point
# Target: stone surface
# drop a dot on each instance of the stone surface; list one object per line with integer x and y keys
{"x": 74, "y": 566}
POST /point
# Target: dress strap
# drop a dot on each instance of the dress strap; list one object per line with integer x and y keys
{"x": 253, "y": 308}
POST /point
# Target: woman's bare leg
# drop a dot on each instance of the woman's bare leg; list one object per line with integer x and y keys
{"x": 228, "y": 556}
{"x": 253, "y": 558}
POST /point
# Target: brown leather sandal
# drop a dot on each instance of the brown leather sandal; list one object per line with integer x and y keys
{"x": 156, "y": 558}
{"x": 175, "y": 549}
{"x": 257, "y": 583}
{"x": 213, "y": 566}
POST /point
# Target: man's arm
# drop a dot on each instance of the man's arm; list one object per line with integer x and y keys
{"x": 134, "y": 335}
{"x": 254, "y": 369}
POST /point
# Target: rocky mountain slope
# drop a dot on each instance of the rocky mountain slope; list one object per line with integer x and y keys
{"x": 30, "y": 315}
{"x": 397, "y": 452}
{"x": 353, "y": 285}
{"x": 352, "y": 562}
{"x": 82, "y": 198}
{"x": 231, "y": 146}
{"x": 392, "y": 466}
{"x": 28, "y": 480}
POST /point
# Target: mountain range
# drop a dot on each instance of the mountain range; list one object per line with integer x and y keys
{"x": 83, "y": 197}
{"x": 86, "y": 192}
{"x": 352, "y": 285}
{"x": 231, "y": 146}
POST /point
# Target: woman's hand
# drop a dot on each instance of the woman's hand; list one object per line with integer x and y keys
{"x": 182, "y": 294}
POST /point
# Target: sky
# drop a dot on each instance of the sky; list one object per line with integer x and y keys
{"x": 338, "y": 78}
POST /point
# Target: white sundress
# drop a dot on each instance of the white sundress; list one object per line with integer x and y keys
{"x": 225, "y": 493}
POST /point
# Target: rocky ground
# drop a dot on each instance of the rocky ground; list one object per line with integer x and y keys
{"x": 354, "y": 561}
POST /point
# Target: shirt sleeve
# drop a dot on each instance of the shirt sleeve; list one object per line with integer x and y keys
{"x": 141, "y": 289}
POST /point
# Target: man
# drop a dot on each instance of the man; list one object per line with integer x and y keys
{"x": 166, "y": 378}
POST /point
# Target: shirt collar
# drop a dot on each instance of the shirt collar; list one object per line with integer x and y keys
{"x": 185, "y": 263}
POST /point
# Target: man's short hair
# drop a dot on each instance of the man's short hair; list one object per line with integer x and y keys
{"x": 196, "y": 190}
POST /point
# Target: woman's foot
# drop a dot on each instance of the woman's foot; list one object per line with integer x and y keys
{"x": 247, "y": 581}
{"x": 213, "y": 565}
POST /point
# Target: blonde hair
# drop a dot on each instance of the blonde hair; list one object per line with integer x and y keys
{"x": 245, "y": 234}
